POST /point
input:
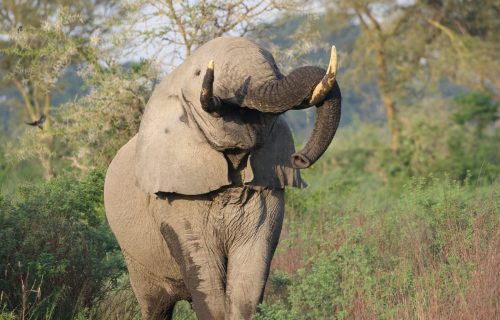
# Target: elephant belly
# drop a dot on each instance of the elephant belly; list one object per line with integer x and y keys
{"x": 128, "y": 210}
{"x": 224, "y": 217}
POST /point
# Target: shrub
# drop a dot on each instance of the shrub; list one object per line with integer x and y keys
{"x": 57, "y": 251}
{"x": 417, "y": 250}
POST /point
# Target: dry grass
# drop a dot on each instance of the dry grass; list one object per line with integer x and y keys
{"x": 429, "y": 251}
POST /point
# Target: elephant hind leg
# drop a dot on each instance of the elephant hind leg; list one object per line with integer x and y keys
{"x": 156, "y": 297}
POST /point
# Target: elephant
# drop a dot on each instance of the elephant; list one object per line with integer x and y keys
{"x": 196, "y": 198}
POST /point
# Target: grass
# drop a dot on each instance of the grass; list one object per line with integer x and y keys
{"x": 356, "y": 247}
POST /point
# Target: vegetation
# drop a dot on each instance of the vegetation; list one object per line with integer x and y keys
{"x": 356, "y": 247}
{"x": 57, "y": 252}
{"x": 401, "y": 217}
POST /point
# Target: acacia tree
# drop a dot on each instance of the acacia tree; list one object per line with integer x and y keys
{"x": 37, "y": 59}
{"x": 28, "y": 62}
{"x": 178, "y": 27}
{"x": 376, "y": 55}
{"x": 40, "y": 40}
{"x": 468, "y": 41}
{"x": 405, "y": 47}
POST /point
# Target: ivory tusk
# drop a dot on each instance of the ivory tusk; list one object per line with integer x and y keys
{"x": 208, "y": 102}
{"x": 326, "y": 84}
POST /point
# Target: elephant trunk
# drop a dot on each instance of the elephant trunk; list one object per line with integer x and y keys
{"x": 302, "y": 88}
{"x": 280, "y": 95}
{"x": 294, "y": 91}
{"x": 325, "y": 127}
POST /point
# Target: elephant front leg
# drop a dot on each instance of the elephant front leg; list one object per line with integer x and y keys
{"x": 202, "y": 268}
{"x": 247, "y": 276}
{"x": 250, "y": 256}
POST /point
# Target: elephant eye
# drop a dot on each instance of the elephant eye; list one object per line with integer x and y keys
{"x": 197, "y": 72}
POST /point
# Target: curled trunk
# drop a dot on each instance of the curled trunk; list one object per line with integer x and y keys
{"x": 302, "y": 88}
{"x": 327, "y": 121}
{"x": 296, "y": 92}
{"x": 280, "y": 95}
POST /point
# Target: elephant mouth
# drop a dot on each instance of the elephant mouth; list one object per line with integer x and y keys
{"x": 303, "y": 88}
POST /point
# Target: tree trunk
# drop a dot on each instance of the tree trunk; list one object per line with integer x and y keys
{"x": 385, "y": 94}
{"x": 48, "y": 140}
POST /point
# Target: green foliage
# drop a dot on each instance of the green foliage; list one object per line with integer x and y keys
{"x": 39, "y": 59}
{"x": 183, "y": 311}
{"x": 475, "y": 106}
{"x": 275, "y": 311}
{"x": 42, "y": 53}
{"x": 92, "y": 129}
{"x": 391, "y": 235}
{"x": 472, "y": 156}
{"x": 473, "y": 143}
{"x": 7, "y": 316}
{"x": 380, "y": 259}
{"x": 459, "y": 144}
{"x": 88, "y": 131}
{"x": 333, "y": 279}
{"x": 57, "y": 251}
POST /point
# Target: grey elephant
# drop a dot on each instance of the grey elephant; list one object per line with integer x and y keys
{"x": 196, "y": 198}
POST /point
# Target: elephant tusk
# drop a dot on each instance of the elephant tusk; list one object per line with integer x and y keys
{"x": 209, "y": 102}
{"x": 326, "y": 84}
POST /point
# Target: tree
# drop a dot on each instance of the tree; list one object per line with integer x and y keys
{"x": 468, "y": 41}
{"x": 93, "y": 127}
{"x": 55, "y": 258}
{"x": 178, "y": 27}
{"x": 37, "y": 59}
{"x": 405, "y": 47}
{"x": 27, "y": 58}
{"x": 41, "y": 40}
{"x": 377, "y": 53}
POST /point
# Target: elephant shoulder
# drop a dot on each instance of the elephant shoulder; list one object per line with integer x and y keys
{"x": 270, "y": 165}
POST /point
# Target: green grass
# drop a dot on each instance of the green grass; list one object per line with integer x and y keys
{"x": 354, "y": 246}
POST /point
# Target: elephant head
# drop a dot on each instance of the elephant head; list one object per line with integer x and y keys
{"x": 219, "y": 111}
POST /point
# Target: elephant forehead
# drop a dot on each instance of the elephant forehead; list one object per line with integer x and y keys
{"x": 238, "y": 63}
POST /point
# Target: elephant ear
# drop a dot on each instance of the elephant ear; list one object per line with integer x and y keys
{"x": 269, "y": 166}
{"x": 172, "y": 155}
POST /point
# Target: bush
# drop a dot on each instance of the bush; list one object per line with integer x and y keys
{"x": 57, "y": 251}
{"x": 426, "y": 248}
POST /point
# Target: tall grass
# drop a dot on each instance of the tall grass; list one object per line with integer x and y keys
{"x": 356, "y": 247}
